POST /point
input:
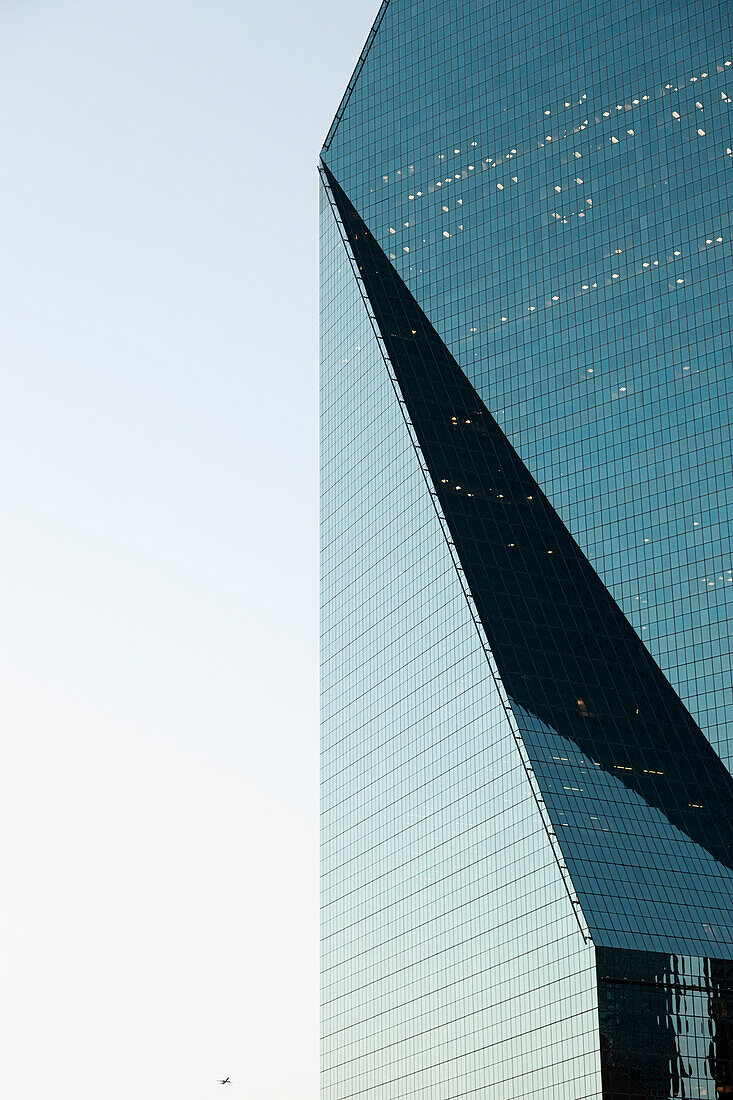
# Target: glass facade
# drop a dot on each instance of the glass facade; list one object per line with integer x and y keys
{"x": 454, "y": 955}
{"x": 527, "y": 825}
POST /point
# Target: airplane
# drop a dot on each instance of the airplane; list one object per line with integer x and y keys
{"x": 226, "y": 1081}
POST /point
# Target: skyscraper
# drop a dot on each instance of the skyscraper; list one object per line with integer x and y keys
{"x": 526, "y": 245}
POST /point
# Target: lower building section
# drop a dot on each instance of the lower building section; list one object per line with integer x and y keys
{"x": 666, "y": 1025}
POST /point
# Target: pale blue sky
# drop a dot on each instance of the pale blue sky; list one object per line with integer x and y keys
{"x": 158, "y": 351}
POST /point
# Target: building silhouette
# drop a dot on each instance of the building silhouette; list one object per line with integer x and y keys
{"x": 527, "y": 576}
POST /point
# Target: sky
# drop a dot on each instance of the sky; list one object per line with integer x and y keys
{"x": 158, "y": 528}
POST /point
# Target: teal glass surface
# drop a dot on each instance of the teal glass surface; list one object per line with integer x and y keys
{"x": 527, "y": 886}
{"x": 553, "y": 182}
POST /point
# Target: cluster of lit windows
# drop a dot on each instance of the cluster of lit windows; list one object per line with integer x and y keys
{"x": 598, "y": 119}
{"x": 645, "y": 265}
{"x": 491, "y": 162}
